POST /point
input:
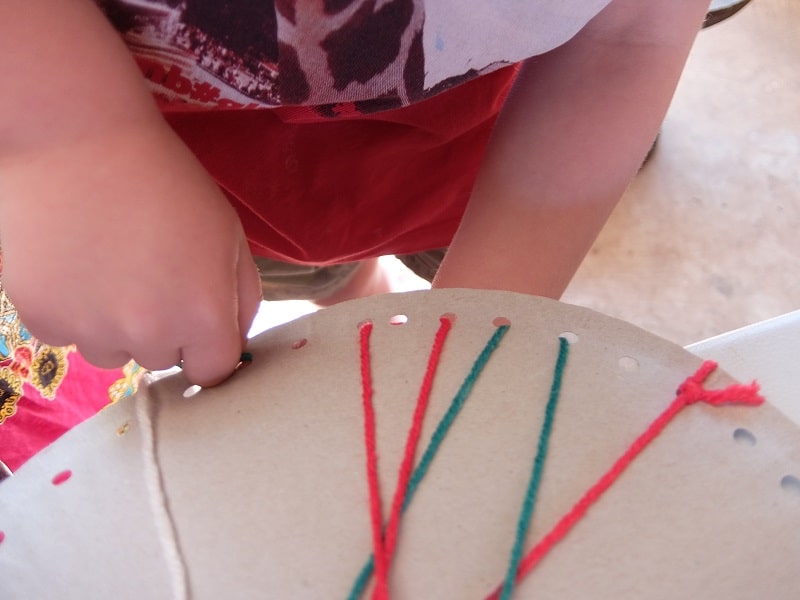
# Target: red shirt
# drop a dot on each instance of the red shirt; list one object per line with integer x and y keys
{"x": 317, "y": 190}
{"x": 340, "y": 130}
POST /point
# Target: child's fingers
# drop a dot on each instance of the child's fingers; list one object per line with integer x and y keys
{"x": 211, "y": 360}
{"x": 103, "y": 357}
{"x": 158, "y": 356}
{"x": 210, "y": 364}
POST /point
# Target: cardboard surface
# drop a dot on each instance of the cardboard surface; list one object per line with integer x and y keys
{"x": 257, "y": 488}
{"x": 767, "y": 350}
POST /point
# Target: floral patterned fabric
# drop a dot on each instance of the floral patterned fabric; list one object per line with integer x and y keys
{"x": 45, "y": 390}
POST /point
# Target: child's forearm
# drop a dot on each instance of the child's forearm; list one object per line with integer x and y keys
{"x": 573, "y": 133}
{"x": 67, "y": 77}
{"x": 114, "y": 237}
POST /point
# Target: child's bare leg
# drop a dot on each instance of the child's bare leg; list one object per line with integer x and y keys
{"x": 369, "y": 279}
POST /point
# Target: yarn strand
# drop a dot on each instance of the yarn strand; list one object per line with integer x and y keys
{"x": 174, "y": 559}
{"x": 376, "y": 518}
{"x": 690, "y": 392}
{"x": 433, "y": 446}
{"x": 412, "y": 441}
{"x": 529, "y": 502}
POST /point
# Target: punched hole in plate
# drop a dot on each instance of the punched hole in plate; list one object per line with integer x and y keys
{"x": 299, "y": 343}
{"x": 790, "y": 483}
{"x": 398, "y": 320}
{"x": 192, "y": 390}
{"x": 61, "y": 477}
{"x": 744, "y": 436}
{"x": 628, "y": 364}
{"x": 501, "y": 322}
{"x": 570, "y": 336}
{"x": 245, "y": 361}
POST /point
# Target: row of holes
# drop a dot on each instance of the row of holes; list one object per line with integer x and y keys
{"x": 788, "y": 483}
{"x": 745, "y": 437}
{"x": 398, "y": 319}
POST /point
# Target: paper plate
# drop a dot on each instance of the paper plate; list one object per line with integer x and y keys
{"x": 258, "y": 488}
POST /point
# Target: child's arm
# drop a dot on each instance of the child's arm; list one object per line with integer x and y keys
{"x": 573, "y": 133}
{"x": 113, "y": 236}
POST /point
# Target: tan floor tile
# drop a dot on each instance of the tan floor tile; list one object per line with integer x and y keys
{"x": 707, "y": 239}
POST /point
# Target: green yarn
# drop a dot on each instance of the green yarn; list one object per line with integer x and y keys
{"x": 536, "y": 475}
{"x": 455, "y": 408}
{"x": 435, "y": 442}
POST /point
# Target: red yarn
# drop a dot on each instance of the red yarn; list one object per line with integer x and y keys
{"x": 414, "y": 432}
{"x": 384, "y": 545}
{"x": 689, "y": 392}
{"x": 378, "y": 547}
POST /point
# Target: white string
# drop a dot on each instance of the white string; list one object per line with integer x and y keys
{"x": 165, "y": 528}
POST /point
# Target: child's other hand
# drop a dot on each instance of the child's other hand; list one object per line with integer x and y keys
{"x": 124, "y": 246}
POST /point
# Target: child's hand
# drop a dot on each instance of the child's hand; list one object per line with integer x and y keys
{"x": 114, "y": 238}
{"x": 125, "y": 247}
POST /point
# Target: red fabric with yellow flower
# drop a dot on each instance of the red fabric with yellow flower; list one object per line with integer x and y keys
{"x": 45, "y": 390}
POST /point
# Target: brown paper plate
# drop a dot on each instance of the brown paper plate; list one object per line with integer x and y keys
{"x": 257, "y": 488}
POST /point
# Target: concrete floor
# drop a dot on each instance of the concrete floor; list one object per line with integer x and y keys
{"x": 707, "y": 238}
